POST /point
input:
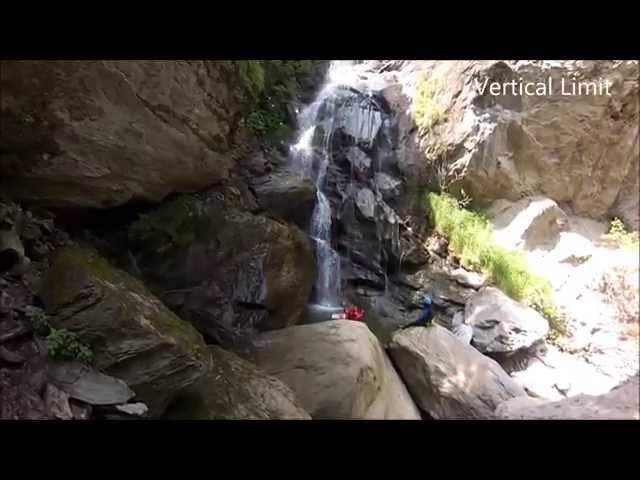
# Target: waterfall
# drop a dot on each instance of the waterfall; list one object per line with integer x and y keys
{"x": 312, "y": 154}
{"x": 337, "y": 107}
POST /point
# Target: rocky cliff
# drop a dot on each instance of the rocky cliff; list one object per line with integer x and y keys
{"x": 157, "y": 257}
{"x": 579, "y": 148}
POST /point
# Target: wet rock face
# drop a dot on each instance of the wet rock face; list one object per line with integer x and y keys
{"x": 102, "y": 133}
{"x": 223, "y": 268}
{"x": 363, "y": 187}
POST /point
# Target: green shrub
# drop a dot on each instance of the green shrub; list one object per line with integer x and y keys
{"x": 273, "y": 84}
{"x": 428, "y": 112}
{"x": 65, "y": 345}
{"x": 619, "y": 234}
{"x": 470, "y": 237}
{"x": 38, "y": 319}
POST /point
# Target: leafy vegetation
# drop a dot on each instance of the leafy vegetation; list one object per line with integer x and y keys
{"x": 38, "y": 319}
{"x": 61, "y": 343}
{"x": 470, "y": 237}
{"x": 619, "y": 234}
{"x": 65, "y": 345}
{"x": 428, "y": 112}
{"x": 273, "y": 84}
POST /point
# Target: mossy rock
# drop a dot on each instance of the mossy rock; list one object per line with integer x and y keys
{"x": 134, "y": 337}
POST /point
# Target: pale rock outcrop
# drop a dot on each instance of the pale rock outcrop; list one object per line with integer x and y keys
{"x": 533, "y": 222}
{"x": 502, "y": 325}
{"x": 337, "y": 369}
{"x": 579, "y": 150}
{"x": 621, "y": 403}
{"x": 448, "y": 378}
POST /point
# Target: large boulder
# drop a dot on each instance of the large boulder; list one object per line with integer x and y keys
{"x": 530, "y": 223}
{"x": 502, "y": 325}
{"x": 621, "y": 403}
{"x": 286, "y": 195}
{"x": 235, "y": 389}
{"x": 337, "y": 369}
{"x": 101, "y": 133}
{"x": 448, "y": 378}
{"x": 223, "y": 268}
{"x": 134, "y": 337}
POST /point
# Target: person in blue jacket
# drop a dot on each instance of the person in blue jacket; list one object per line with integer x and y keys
{"x": 426, "y": 316}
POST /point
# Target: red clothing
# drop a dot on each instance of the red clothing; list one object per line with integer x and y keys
{"x": 354, "y": 313}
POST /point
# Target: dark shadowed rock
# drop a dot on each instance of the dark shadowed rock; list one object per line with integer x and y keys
{"x": 12, "y": 257}
{"x": 134, "y": 337}
{"x": 448, "y": 378}
{"x": 222, "y": 268}
{"x": 235, "y": 389}
{"x": 81, "y": 411}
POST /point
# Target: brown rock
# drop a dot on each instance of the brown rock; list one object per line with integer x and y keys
{"x": 102, "y": 133}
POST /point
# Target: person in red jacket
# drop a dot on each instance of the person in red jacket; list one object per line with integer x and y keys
{"x": 354, "y": 313}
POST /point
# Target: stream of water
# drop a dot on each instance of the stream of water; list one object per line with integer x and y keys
{"x": 338, "y": 107}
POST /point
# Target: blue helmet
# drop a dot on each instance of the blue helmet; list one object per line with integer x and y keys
{"x": 426, "y": 300}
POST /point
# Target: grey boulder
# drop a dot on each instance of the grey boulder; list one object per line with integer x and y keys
{"x": 448, "y": 378}
{"x": 502, "y": 325}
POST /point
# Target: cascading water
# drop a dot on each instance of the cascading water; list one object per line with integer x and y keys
{"x": 312, "y": 153}
{"x": 341, "y": 108}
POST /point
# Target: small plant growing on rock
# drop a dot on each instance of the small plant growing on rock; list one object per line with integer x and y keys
{"x": 273, "y": 84}
{"x": 38, "y": 319}
{"x": 619, "y": 234}
{"x": 428, "y": 112}
{"x": 65, "y": 345}
{"x": 61, "y": 343}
